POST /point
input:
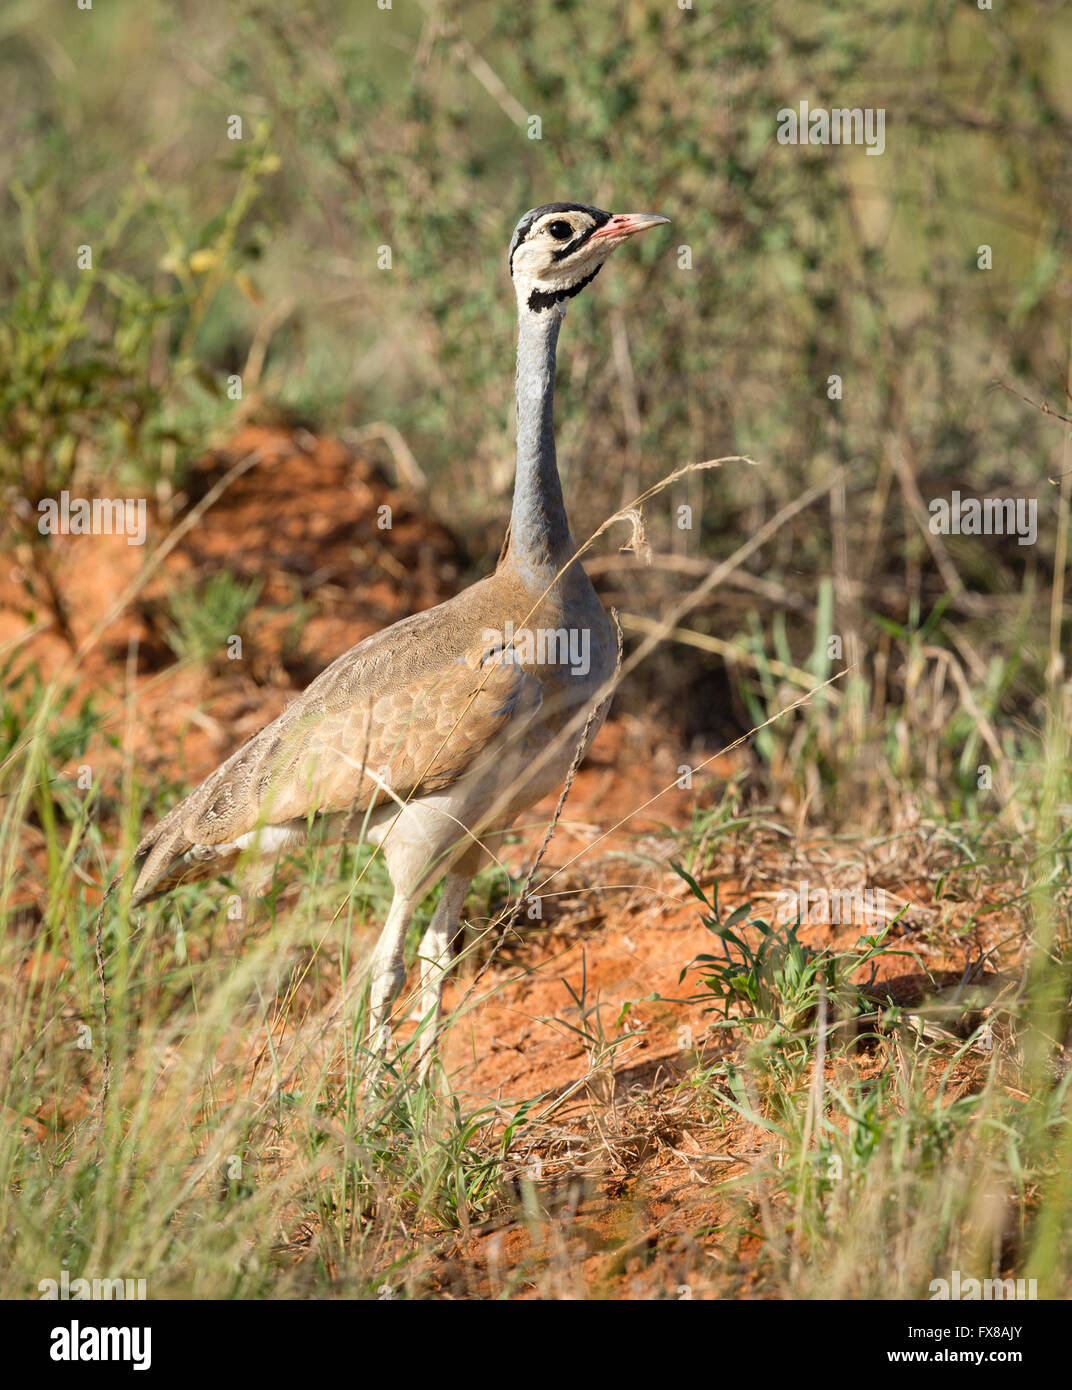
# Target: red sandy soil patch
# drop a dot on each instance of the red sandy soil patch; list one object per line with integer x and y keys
{"x": 305, "y": 522}
{"x": 628, "y": 1159}
{"x": 630, "y": 927}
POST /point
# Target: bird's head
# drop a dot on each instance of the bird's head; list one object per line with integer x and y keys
{"x": 559, "y": 248}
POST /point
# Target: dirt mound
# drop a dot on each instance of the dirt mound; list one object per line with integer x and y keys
{"x": 336, "y": 551}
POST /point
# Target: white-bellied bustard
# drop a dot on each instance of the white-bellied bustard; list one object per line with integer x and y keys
{"x": 446, "y": 725}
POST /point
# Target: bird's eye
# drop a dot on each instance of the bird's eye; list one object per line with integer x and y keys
{"x": 560, "y": 230}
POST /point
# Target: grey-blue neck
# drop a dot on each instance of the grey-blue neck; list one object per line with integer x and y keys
{"x": 540, "y": 540}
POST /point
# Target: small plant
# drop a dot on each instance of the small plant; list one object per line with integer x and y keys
{"x": 205, "y": 620}
{"x": 774, "y": 987}
{"x": 599, "y": 1048}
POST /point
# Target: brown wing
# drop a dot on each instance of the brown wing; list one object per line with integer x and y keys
{"x": 392, "y": 712}
{"x": 422, "y": 734}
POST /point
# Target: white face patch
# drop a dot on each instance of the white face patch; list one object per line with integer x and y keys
{"x": 557, "y": 258}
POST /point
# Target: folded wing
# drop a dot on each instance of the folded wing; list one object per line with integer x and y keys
{"x": 389, "y": 718}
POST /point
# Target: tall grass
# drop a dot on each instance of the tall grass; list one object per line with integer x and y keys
{"x": 242, "y": 1112}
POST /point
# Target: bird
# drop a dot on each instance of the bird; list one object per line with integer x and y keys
{"x": 440, "y": 729}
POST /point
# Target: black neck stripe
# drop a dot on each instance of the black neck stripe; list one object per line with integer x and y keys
{"x": 544, "y": 299}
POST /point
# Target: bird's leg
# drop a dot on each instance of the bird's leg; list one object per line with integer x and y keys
{"x": 436, "y": 961}
{"x": 387, "y": 971}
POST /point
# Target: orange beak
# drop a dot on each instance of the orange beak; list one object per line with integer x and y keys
{"x": 627, "y": 224}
